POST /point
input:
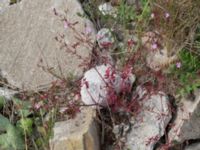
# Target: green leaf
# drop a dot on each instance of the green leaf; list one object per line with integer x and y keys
{"x": 26, "y": 125}
{"x": 12, "y": 140}
{"x": 42, "y": 131}
{"x": 2, "y": 101}
{"x": 24, "y": 107}
{"x": 188, "y": 89}
{"x": 4, "y": 123}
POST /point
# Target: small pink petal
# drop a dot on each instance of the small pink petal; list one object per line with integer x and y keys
{"x": 88, "y": 30}
{"x": 152, "y": 15}
{"x": 154, "y": 46}
{"x": 38, "y": 105}
{"x": 167, "y": 15}
{"x": 66, "y": 24}
{"x": 178, "y": 64}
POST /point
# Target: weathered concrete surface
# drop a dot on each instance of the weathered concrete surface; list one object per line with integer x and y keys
{"x": 80, "y": 133}
{"x": 27, "y": 32}
{"x": 187, "y": 123}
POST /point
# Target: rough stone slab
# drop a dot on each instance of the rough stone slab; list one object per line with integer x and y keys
{"x": 80, "y": 133}
{"x": 187, "y": 123}
{"x": 27, "y": 35}
{"x": 149, "y": 126}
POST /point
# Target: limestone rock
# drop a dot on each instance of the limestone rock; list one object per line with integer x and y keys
{"x": 105, "y": 38}
{"x": 158, "y": 55}
{"x": 3, "y": 5}
{"x": 27, "y": 38}
{"x": 97, "y": 82}
{"x": 80, "y": 133}
{"x": 108, "y": 9}
{"x": 187, "y": 123}
{"x": 149, "y": 126}
{"x": 7, "y": 93}
{"x": 159, "y": 59}
{"x": 195, "y": 146}
{"x": 94, "y": 89}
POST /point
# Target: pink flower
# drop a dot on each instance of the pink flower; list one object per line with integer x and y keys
{"x": 62, "y": 110}
{"x": 88, "y": 30}
{"x": 152, "y": 15}
{"x": 178, "y": 65}
{"x": 38, "y": 105}
{"x": 167, "y": 15}
{"x": 154, "y": 46}
{"x": 77, "y": 97}
{"x": 66, "y": 24}
{"x": 131, "y": 42}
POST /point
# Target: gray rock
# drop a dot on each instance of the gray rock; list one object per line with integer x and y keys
{"x": 108, "y": 9}
{"x": 187, "y": 123}
{"x": 195, "y": 146}
{"x": 149, "y": 126}
{"x": 7, "y": 93}
{"x": 27, "y": 35}
{"x": 80, "y": 133}
{"x": 4, "y": 4}
{"x": 158, "y": 56}
{"x": 94, "y": 89}
{"x": 121, "y": 130}
{"x": 105, "y": 38}
{"x": 156, "y": 60}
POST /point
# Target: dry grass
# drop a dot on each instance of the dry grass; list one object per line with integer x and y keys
{"x": 179, "y": 28}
